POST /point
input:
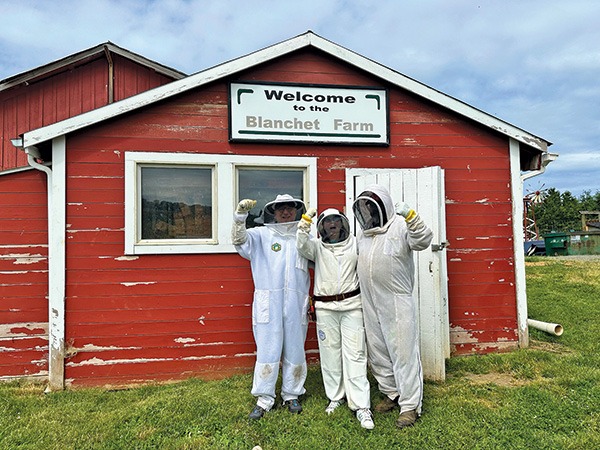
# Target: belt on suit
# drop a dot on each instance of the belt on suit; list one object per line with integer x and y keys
{"x": 337, "y": 297}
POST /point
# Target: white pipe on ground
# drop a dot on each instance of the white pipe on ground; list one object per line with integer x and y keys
{"x": 551, "y": 328}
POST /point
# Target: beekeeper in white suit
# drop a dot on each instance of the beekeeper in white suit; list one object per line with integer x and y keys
{"x": 386, "y": 272}
{"x": 338, "y": 304}
{"x": 279, "y": 308}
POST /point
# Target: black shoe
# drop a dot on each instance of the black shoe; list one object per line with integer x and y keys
{"x": 257, "y": 413}
{"x": 293, "y": 406}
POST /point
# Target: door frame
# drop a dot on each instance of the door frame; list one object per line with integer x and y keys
{"x": 423, "y": 189}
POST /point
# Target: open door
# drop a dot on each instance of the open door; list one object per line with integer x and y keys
{"x": 423, "y": 190}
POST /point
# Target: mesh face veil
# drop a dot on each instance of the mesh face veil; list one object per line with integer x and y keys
{"x": 333, "y": 226}
{"x": 369, "y": 210}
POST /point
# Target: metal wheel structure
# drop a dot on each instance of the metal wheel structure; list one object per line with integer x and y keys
{"x": 530, "y": 228}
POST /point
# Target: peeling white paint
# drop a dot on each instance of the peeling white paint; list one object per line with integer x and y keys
{"x": 7, "y": 349}
{"x": 463, "y": 336}
{"x": 135, "y": 283}
{"x": 207, "y": 344}
{"x": 483, "y": 200}
{"x": 201, "y": 320}
{"x": 24, "y": 258}
{"x": 344, "y": 164}
{"x": 16, "y": 272}
{"x": 456, "y": 259}
{"x": 10, "y": 329}
{"x": 25, "y": 246}
{"x": 98, "y": 348}
{"x": 126, "y": 258}
{"x": 182, "y": 340}
{"x": 94, "y": 229}
{"x": 112, "y": 362}
{"x": 42, "y": 374}
{"x": 482, "y": 238}
{"x": 501, "y": 280}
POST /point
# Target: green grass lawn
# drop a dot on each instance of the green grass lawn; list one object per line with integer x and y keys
{"x": 543, "y": 397}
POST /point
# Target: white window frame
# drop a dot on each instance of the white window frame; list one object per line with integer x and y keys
{"x": 224, "y": 196}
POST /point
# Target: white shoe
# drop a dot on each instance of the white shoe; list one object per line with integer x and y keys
{"x": 366, "y": 418}
{"x": 333, "y": 405}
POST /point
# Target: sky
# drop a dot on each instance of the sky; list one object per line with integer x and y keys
{"x": 532, "y": 63}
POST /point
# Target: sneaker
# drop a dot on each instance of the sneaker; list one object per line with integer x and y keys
{"x": 333, "y": 405}
{"x": 406, "y": 419}
{"x": 293, "y": 406}
{"x": 257, "y": 412}
{"x": 365, "y": 418}
{"x": 386, "y": 405}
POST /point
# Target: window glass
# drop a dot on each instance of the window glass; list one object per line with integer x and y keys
{"x": 176, "y": 202}
{"x": 263, "y": 185}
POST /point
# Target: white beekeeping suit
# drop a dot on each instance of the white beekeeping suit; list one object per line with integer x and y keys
{"x": 279, "y": 308}
{"x": 386, "y": 272}
{"x": 338, "y": 304}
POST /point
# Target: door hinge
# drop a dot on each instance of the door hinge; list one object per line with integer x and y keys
{"x": 439, "y": 247}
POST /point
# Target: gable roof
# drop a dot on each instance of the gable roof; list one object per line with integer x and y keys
{"x": 82, "y": 57}
{"x": 306, "y": 40}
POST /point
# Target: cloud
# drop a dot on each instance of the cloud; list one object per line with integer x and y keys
{"x": 533, "y": 65}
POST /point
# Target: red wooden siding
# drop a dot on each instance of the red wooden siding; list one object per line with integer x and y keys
{"x": 132, "y": 319}
{"x": 23, "y": 275}
{"x": 66, "y": 94}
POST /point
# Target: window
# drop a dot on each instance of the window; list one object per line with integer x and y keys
{"x": 184, "y": 203}
{"x": 176, "y": 202}
{"x": 263, "y": 185}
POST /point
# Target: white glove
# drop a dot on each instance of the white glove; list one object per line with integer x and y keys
{"x": 403, "y": 209}
{"x": 245, "y": 205}
{"x": 306, "y": 220}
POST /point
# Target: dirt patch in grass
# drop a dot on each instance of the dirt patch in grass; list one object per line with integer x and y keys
{"x": 550, "y": 347}
{"x": 499, "y": 379}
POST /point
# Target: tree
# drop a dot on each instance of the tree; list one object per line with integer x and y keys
{"x": 561, "y": 212}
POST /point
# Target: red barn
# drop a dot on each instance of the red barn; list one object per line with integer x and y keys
{"x": 143, "y": 283}
{"x": 48, "y": 94}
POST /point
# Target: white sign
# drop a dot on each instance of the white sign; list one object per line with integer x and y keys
{"x": 301, "y": 113}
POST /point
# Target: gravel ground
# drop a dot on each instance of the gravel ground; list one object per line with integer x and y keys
{"x": 577, "y": 257}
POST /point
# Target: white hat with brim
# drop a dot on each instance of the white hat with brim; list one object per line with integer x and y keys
{"x": 284, "y": 198}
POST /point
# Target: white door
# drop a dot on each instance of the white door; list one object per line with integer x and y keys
{"x": 423, "y": 190}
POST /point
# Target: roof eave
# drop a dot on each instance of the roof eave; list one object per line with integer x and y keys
{"x": 261, "y": 56}
{"x": 82, "y": 56}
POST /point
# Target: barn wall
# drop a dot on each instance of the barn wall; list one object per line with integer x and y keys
{"x": 23, "y": 275}
{"x": 133, "y": 319}
{"x": 66, "y": 94}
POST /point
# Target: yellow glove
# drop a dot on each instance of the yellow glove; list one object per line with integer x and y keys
{"x": 306, "y": 219}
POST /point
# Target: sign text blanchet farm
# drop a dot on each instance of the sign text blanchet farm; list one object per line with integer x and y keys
{"x": 300, "y": 113}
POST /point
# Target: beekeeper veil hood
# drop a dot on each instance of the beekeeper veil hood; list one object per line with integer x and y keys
{"x": 333, "y": 226}
{"x": 374, "y": 207}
